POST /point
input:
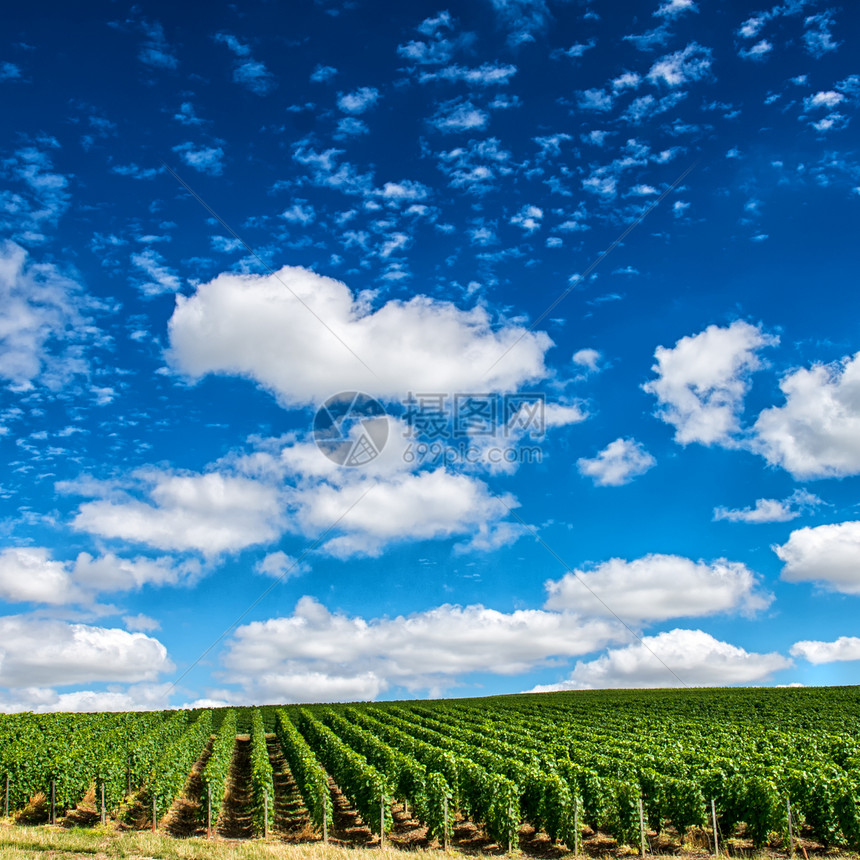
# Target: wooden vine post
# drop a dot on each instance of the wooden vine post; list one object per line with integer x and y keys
{"x": 714, "y": 822}
{"x": 103, "y": 801}
{"x": 790, "y": 833}
{"x": 208, "y": 811}
{"x": 53, "y": 801}
{"x": 641, "y": 827}
{"x": 381, "y": 820}
{"x": 325, "y": 817}
{"x": 445, "y": 823}
{"x": 154, "y": 813}
{"x": 265, "y": 813}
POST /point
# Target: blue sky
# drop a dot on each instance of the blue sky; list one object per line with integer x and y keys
{"x": 640, "y": 222}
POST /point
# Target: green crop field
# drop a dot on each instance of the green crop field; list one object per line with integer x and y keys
{"x": 593, "y": 772}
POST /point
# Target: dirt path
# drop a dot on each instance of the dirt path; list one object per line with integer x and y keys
{"x": 348, "y": 828}
{"x": 184, "y": 817}
{"x": 292, "y": 822}
{"x": 235, "y": 820}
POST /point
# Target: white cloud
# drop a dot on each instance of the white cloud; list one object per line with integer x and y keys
{"x": 523, "y": 18}
{"x": 596, "y": 100}
{"x": 697, "y": 658}
{"x": 109, "y": 573}
{"x": 588, "y": 358}
{"x": 826, "y": 555}
{"x": 279, "y": 565}
{"x": 211, "y": 513}
{"x": 155, "y": 50}
{"x": 617, "y": 464}
{"x": 140, "y": 623}
{"x": 161, "y": 278}
{"x": 254, "y": 326}
{"x": 428, "y": 650}
{"x": 843, "y": 649}
{"x": 658, "y": 587}
{"x": 43, "y": 323}
{"x": 28, "y": 574}
{"x": 816, "y": 434}
{"x": 823, "y": 99}
{"x": 757, "y": 52}
{"x": 673, "y": 8}
{"x": 39, "y": 652}
{"x": 413, "y": 506}
{"x": 690, "y": 64}
{"x": 487, "y": 74}
{"x": 459, "y": 115}
{"x": 42, "y": 700}
{"x": 247, "y": 71}
{"x": 770, "y": 510}
{"x": 703, "y": 379}
{"x": 205, "y": 159}
{"x": 817, "y": 38}
{"x": 358, "y": 101}
{"x": 322, "y": 73}
{"x": 528, "y": 218}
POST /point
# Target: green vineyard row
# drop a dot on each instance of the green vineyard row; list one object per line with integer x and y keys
{"x": 612, "y": 761}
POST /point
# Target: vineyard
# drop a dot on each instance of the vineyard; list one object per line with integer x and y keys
{"x": 724, "y": 771}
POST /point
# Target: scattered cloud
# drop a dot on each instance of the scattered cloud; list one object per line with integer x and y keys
{"x": 702, "y": 381}
{"x": 771, "y": 510}
{"x": 522, "y": 18}
{"x": 674, "y": 8}
{"x": 816, "y": 433}
{"x": 458, "y": 115}
{"x": 204, "y": 159}
{"x": 301, "y": 657}
{"x": 267, "y": 328}
{"x": 657, "y": 588}
{"x": 250, "y": 73}
{"x": 826, "y": 555}
{"x": 45, "y": 323}
{"x": 682, "y": 67}
{"x": 159, "y": 277}
{"x": 617, "y": 464}
{"x": 689, "y": 657}
{"x": 210, "y": 513}
{"x": 41, "y": 652}
{"x": 358, "y": 101}
{"x": 845, "y": 648}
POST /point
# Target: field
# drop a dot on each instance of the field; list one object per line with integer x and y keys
{"x": 604, "y": 772}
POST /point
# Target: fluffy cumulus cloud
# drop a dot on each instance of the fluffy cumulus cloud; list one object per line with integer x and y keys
{"x": 675, "y": 658}
{"x": 115, "y": 697}
{"x": 770, "y": 510}
{"x": 41, "y": 652}
{"x": 44, "y": 323}
{"x": 31, "y": 575}
{"x": 295, "y": 331}
{"x": 702, "y": 381}
{"x": 374, "y": 512}
{"x": 617, "y": 464}
{"x": 659, "y": 587}
{"x": 845, "y": 648}
{"x": 210, "y": 513}
{"x": 317, "y": 654}
{"x": 816, "y": 433}
{"x": 826, "y": 555}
